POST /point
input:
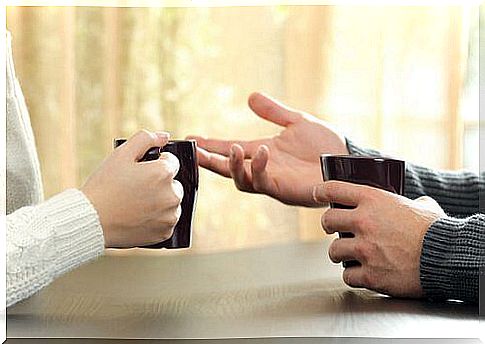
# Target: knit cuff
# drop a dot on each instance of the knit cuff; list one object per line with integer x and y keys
{"x": 76, "y": 228}
{"x": 359, "y": 151}
{"x": 449, "y": 265}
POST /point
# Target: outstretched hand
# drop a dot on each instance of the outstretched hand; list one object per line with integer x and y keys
{"x": 286, "y": 166}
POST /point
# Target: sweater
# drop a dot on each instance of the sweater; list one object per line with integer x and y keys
{"x": 453, "y": 250}
{"x": 45, "y": 238}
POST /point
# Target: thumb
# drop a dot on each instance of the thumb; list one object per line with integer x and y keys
{"x": 272, "y": 110}
{"x": 142, "y": 141}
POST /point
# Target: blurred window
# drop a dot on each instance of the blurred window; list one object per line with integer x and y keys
{"x": 399, "y": 79}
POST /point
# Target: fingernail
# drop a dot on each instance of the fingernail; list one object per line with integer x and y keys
{"x": 233, "y": 151}
{"x": 316, "y": 194}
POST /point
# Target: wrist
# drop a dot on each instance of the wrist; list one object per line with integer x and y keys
{"x": 437, "y": 268}
{"x": 93, "y": 200}
{"x": 354, "y": 149}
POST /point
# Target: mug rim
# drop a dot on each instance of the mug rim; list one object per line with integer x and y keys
{"x": 169, "y": 141}
{"x": 182, "y": 141}
{"x": 357, "y": 157}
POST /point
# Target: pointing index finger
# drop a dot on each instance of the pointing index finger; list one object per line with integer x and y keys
{"x": 214, "y": 162}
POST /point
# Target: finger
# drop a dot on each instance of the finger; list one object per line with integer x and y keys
{"x": 178, "y": 190}
{"x": 272, "y": 110}
{"x": 223, "y": 147}
{"x": 169, "y": 162}
{"x": 178, "y": 212}
{"x": 261, "y": 180}
{"x": 142, "y": 141}
{"x": 354, "y": 277}
{"x": 343, "y": 249}
{"x": 341, "y": 192}
{"x": 316, "y": 201}
{"x": 339, "y": 220}
{"x": 213, "y": 162}
{"x": 239, "y": 169}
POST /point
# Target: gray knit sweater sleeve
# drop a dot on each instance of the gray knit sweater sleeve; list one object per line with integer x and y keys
{"x": 453, "y": 247}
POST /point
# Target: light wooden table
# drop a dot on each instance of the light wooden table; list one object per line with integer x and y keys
{"x": 290, "y": 290}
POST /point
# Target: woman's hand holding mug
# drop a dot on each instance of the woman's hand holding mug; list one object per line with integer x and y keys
{"x": 138, "y": 203}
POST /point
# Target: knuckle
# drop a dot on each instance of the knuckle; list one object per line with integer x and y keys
{"x": 143, "y": 133}
{"x": 173, "y": 219}
{"x": 163, "y": 172}
{"x": 160, "y": 233}
{"x": 360, "y": 222}
{"x": 164, "y": 177}
{"x": 176, "y": 200}
{"x": 169, "y": 222}
{"x": 426, "y": 199}
{"x": 178, "y": 190}
{"x": 170, "y": 157}
{"x": 166, "y": 234}
{"x": 173, "y": 202}
{"x": 361, "y": 250}
{"x": 174, "y": 216}
{"x": 172, "y": 163}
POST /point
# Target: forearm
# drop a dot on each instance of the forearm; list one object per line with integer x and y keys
{"x": 456, "y": 192}
{"x": 453, "y": 252}
{"x": 49, "y": 239}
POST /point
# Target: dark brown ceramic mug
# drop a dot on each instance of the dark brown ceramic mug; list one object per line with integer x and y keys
{"x": 382, "y": 173}
{"x": 188, "y": 176}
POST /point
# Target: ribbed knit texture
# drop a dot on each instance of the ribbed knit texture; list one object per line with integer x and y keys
{"x": 24, "y": 184}
{"x": 44, "y": 239}
{"x": 49, "y": 239}
{"x": 453, "y": 247}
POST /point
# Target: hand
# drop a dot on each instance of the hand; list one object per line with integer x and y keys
{"x": 138, "y": 203}
{"x": 389, "y": 230}
{"x": 286, "y": 166}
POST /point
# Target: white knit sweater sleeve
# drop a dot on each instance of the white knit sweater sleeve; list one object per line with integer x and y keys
{"x": 49, "y": 239}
